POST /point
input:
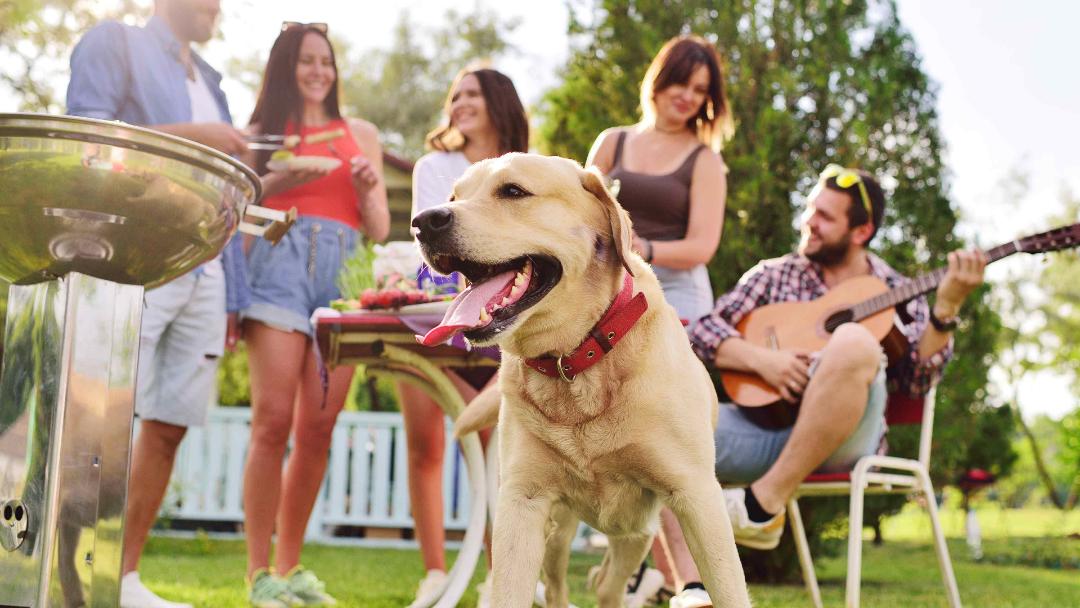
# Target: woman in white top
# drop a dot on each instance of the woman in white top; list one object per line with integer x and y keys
{"x": 484, "y": 118}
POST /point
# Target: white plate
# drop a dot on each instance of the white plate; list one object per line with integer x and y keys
{"x": 425, "y": 308}
{"x": 324, "y": 163}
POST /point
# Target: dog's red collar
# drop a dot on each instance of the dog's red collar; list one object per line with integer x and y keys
{"x": 616, "y": 322}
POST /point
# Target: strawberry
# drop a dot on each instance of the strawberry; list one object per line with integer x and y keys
{"x": 368, "y": 298}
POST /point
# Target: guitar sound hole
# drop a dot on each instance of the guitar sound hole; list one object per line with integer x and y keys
{"x": 837, "y": 319}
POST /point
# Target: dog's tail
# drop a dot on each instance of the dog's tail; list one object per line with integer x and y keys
{"x": 481, "y": 413}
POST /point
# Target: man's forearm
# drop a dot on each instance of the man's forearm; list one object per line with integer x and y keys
{"x": 737, "y": 354}
{"x": 181, "y": 129}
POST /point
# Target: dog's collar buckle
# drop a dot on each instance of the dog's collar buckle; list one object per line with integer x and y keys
{"x": 563, "y": 369}
{"x": 616, "y": 322}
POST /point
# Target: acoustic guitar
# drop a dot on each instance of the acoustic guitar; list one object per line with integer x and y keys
{"x": 866, "y": 300}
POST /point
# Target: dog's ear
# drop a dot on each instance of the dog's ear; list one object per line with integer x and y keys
{"x": 619, "y": 219}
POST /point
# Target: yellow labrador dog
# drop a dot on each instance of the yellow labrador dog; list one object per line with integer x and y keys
{"x": 626, "y": 426}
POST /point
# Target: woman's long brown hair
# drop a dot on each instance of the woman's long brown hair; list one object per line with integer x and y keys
{"x": 279, "y": 98}
{"x": 674, "y": 64}
{"x": 504, "y": 107}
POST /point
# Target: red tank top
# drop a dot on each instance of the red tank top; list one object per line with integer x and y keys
{"x": 333, "y": 196}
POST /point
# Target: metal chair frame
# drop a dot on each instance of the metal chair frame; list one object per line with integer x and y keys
{"x": 875, "y": 475}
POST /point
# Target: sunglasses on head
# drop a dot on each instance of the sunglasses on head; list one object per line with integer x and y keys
{"x": 318, "y": 27}
{"x": 846, "y": 178}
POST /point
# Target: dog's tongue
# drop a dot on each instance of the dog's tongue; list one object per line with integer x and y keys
{"x": 464, "y": 311}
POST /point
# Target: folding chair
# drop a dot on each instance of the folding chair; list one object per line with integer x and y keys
{"x": 877, "y": 475}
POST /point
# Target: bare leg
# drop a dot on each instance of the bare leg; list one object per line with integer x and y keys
{"x": 832, "y": 406}
{"x": 151, "y": 466}
{"x": 425, "y": 435}
{"x": 313, "y": 427}
{"x": 276, "y": 358}
{"x": 661, "y": 555}
{"x": 678, "y": 558}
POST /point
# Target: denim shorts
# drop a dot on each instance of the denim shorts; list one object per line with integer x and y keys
{"x": 689, "y": 291}
{"x": 299, "y": 274}
{"x": 745, "y": 451}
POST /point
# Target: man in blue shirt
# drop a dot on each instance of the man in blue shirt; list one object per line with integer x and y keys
{"x": 149, "y": 76}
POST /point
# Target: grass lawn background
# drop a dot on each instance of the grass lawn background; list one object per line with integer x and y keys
{"x": 903, "y": 572}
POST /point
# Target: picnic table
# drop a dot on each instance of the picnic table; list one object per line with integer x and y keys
{"x": 385, "y": 343}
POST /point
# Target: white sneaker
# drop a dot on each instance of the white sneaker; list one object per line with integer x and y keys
{"x": 483, "y": 592}
{"x": 428, "y": 587}
{"x": 640, "y": 591}
{"x": 644, "y": 591}
{"x": 539, "y": 596}
{"x": 133, "y": 594}
{"x": 749, "y": 533}
{"x": 691, "y": 598}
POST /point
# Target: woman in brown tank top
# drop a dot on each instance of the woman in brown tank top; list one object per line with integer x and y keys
{"x": 671, "y": 180}
{"x": 670, "y": 174}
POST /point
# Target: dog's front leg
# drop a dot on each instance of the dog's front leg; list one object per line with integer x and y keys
{"x": 518, "y": 544}
{"x": 624, "y": 556}
{"x": 561, "y": 529}
{"x": 704, "y": 520}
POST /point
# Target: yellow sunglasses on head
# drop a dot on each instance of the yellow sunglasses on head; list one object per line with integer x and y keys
{"x": 845, "y": 178}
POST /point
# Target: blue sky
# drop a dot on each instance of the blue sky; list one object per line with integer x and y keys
{"x": 1008, "y": 97}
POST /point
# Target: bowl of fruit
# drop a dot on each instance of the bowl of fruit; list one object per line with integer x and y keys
{"x": 378, "y": 279}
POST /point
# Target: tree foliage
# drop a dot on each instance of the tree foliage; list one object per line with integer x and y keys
{"x": 810, "y": 83}
{"x": 36, "y": 38}
{"x": 401, "y": 89}
{"x": 1058, "y": 280}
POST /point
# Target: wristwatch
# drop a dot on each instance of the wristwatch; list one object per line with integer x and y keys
{"x": 942, "y": 326}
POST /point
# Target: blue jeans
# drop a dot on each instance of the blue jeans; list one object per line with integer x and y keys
{"x": 745, "y": 451}
{"x": 299, "y": 274}
{"x": 689, "y": 291}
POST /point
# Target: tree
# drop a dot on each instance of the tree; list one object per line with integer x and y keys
{"x": 810, "y": 83}
{"x": 1061, "y": 311}
{"x": 1043, "y": 322}
{"x": 402, "y": 89}
{"x": 36, "y": 38}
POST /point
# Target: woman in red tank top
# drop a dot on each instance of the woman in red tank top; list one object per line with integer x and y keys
{"x": 335, "y": 181}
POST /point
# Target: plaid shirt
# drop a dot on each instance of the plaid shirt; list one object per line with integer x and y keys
{"x": 794, "y": 278}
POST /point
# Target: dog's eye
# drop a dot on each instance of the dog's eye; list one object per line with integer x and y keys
{"x": 512, "y": 191}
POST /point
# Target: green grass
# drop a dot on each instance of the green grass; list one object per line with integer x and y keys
{"x": 903, "y": 572}
{"x": 995, "y": 522}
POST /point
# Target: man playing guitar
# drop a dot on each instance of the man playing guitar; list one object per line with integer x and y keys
{"x": 842, "y": 388}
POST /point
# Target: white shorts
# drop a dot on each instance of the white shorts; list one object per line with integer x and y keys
{"x": 180, "y": 345}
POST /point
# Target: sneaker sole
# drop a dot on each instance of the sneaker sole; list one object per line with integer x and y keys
{"x": 761, "y": 545}
{"x": 765, "y": 544}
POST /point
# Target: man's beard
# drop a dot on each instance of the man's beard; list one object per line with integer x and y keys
{"x": 184, "y": 18}
{"x": 831, "y": 254}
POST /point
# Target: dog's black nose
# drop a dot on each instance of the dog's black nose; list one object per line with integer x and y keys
{"x": 434, "y": 222}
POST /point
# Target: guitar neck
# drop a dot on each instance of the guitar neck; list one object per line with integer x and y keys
{"x": 921, "y": 284}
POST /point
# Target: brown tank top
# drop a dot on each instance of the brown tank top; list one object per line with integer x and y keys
{"x": 659, "y": 205}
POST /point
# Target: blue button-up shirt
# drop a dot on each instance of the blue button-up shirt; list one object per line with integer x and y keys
{"x": 134, "y": 74}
